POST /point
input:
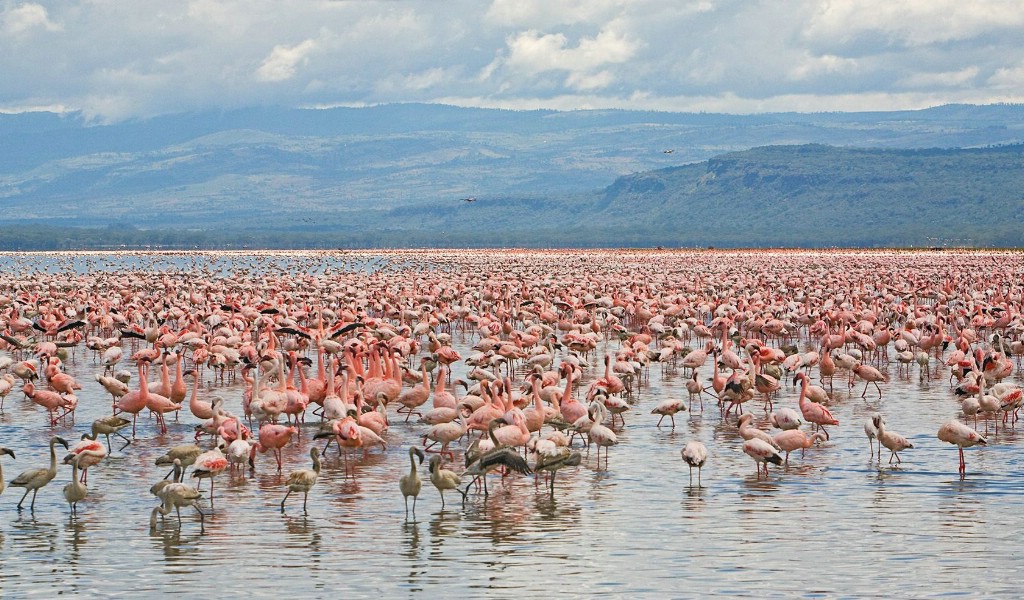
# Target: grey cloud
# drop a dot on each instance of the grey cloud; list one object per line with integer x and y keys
{"x": 125, "y": 59}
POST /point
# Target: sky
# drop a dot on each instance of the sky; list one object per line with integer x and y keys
{"x": 114, "y": 60}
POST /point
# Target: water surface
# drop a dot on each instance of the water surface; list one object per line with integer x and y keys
{"x": 833, "y": 523}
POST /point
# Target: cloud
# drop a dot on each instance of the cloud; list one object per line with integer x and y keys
{"x": 534, "y": 53}
{"x": 120, "y": 59}
{"x": 26, "y": 17}
{"x": 811, "y": 66}
{"x": 941, "y": 79}
{"x": 283, "y": 60}
{"x": 911, "y": 23}
{"x": 1011, "y": 78}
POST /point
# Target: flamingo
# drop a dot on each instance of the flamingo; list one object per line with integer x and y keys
{"x": 600, "y": 435}
{"x": 668, "y": 408}
{"x": 695, "y": 389}
{"x": 812, "y": 411}
{"x": 763, "y": 453}
{"x": 48, "y": 399}
{"x": 785, "y": 419}
{"x": 115, "y": 387}
{"x": 793, "y": 439}
{"x": 499, "y": 456}
{"x": 76, "y": 490}
{"x": 184, "y": 455}
{"x": 749, "y": 432}
{"x": 134, "y": 401}
{"x": 870, "y": 375}
{"x": 444, "y": 479}
{"x": 697, "y": 358}
{"x": 871, "y": 430}
{"x": 303, "y": 480}
{"x": 86, "y": 453}
{"x": 6, "y": 385}
{"x": 412, "y": 399}
{"x": 200, "y": 409}
{"x": 272, "y": 437}
{"x": 35, "y": 479}
{"x": 346, "y": 432}
{"x": 890, "y": 439}
{"x": 446, "y": 433}
{"x": 960, "y": 435}
{"x": 208, "y": 465}
{"x": 176, "y": 495}
{"x": 411, "y": 483}
{"x": 695, "y": 454}
{"x": 159, "y": 405}
{"x": 239, "y": 448}
{"x": 551, "y": 458}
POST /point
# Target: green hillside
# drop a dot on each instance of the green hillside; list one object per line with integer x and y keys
{"x": 803, "y": 195}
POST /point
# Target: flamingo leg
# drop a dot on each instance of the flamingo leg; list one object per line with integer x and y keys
{"x": 25, "y": 495}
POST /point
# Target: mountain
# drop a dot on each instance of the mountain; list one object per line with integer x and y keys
{"x": 399, "y": 174}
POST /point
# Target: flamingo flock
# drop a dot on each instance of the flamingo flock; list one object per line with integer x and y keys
{"x": 553, "y": 352}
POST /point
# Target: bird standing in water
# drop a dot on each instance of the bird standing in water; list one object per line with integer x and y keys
{"x": 444, "y": 479}
{"x": 76, "y": 490}
{"x": 695, "y": 454}
{"x": 303, "y": 480}
{"x": 411, "y": 483}
{"x": 34, "y": 479}
{"x": 956, "y": 433}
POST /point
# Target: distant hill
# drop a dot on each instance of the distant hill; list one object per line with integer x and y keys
{"x": 398, "y": 176}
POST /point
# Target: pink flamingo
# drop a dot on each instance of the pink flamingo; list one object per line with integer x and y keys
{"x": 62, "y": 383}
{"x": 763, "y": 453}
{"x": 956, "y": 433}
{"x": 208, "y": 465}
{"x": 487, "y": 412}
{"x": 48, "y": 399}
{"x": 134, "y": 401}
{"x": 572, "y": 409}
{"x": 160, "y": 405}
{"x": 86, "y": 453}
{"x": 812, "y": 411}
{"x": 414, "y": 398}
{"x": 200, "y": 409}
{"x": 347, "y": 433}
{"x": 869, "y": 375}
{"x": 793, "y": 439}
{"x": 272, "y": 437}
{"x": 515, "y": 433}
{"x": 826, "y": 367}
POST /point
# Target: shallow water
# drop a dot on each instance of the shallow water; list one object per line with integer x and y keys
{"x": 833, "y": 523}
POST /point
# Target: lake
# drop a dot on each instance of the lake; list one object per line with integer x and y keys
{"x": 834, "y": 522}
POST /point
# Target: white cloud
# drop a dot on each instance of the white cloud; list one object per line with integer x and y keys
{"x": 940, "y": 79}
{"x": 283, "y": 60}
{"x": 817, "y": 65}
{"x": 25, "y": 17}
{"x": 533, "y": 53}
{"x": 548, "y": 13}
{"x": 912, "y": 22}
{"x": 118, "y": 59}
{"x": 1011, "y": 78}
